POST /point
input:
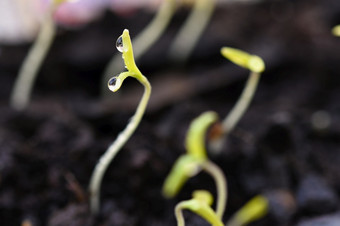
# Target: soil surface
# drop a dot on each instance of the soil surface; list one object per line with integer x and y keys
{"x": 286, "y": 147}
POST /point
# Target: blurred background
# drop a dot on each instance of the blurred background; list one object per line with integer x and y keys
{"x": 286, "y": 146}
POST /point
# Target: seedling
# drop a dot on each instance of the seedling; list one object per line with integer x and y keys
{"x": 196, "y": 160}
{"x": 192, "y": 29}
{"x": 200, "y": 204}
{"x": 255, "y": 209}
{"x": 256, "y": 66}
{"x": 145, "y": 39}
{"x": 22, "y": 90}
{"x": 123, "y": 45}
{"x": 336, "y": 30}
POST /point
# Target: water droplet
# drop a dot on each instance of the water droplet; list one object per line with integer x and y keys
{"x": 112, "y": 83}
{"x": 119, "y": 44}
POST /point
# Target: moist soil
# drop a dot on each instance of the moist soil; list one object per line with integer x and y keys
{"x": 286, "y": 147}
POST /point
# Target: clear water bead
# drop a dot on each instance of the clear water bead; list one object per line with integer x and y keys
{"x": 112, "y": 83}
{"x": 119, "y": 44}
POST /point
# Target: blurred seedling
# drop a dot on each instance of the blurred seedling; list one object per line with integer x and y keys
{"x": 253, "y": 210}
{"x": 336, "y": 30}
{"x": 123, "y": 45}
{"x": 192, "y": 29}
{"x": 145, "y": 39}
{"x": 196, "y": 160}
{"x": 200, "y": 204}
{"x": 256, "y": 66}
{"x": 22, "y": 89}
{"x": 191, "y": 164}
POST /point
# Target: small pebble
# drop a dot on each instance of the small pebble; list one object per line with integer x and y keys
{"x": 315, "y": 196}
{"x": 327, "y": 220}
{"x": 282, "y": 204}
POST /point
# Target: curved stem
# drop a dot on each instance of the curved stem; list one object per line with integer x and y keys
{"x": 21, "y": 93}
{"x": 242, "y": 104}
{"x": 144, "y": 40}
{"x": 191, "y": 31}
{"x": 179, "y": 215}
{"x": 221, "y": 186}
{"x": 237, "y": 112}
{"x": 108, "y": 156}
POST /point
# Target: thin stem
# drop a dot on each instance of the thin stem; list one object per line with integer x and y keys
{"x": 105, "y": 160}
{"x": 221, "y": 186}
{"x": 191, "y": 31}
{"x": 179, "y": 215}
{"x": 242, "y": 104}
{"x": 22, "y": 90}
{"x": 144, "y": 40}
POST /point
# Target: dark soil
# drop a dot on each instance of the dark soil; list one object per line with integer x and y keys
{"x": 279, "y": 149}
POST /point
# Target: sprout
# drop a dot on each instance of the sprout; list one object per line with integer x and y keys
{"x": 253, "y": 210}
{"x": 192, "y": 29}
{"x": 194, "y": 161}
{"x": 186, "y": 166}
{"x": 124, "y": 45}
{"x": 243, "y": 59}
{"x": 256, "y": 66}
{"x": 336, "y": 30}
{"x": 145, "y": 39}
{"x": 22, "y": 89}
{"x": 200, "y": 204}
{"x": 195, "y": 139}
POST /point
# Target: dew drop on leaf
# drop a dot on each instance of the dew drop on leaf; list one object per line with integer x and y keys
{"x": 119, "y": 44}
{"x": 112, "y": 82}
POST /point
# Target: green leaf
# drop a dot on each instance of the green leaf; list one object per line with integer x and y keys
{"x": 186, "y": 166}
{"x": 244, "y": 59}
{"x": 195, "y": 139}
{"x": 253, "y": 210}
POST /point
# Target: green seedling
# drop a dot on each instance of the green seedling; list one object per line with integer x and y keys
{"x": 196, "y": 160}
{"x": 336, "y": 30}
{"x": 123, "y": 45}
{"x": 192, "y": 29}
{"x": 255, "y": 209}
{"x": 200, "y": 204}
{"x": 145, "y": 39}
{"x": 256, "y": 66}
{"x": 22, "y": 90}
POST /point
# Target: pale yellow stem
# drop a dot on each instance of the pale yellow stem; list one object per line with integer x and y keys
{"x": 191, "y": 31}
{"x": 221, "y": 186}
{"x": 237, "y": 112}
{"x": 22, "y": 90}
{"x": 242, "y": 104}
{"x": 106, "y": 159}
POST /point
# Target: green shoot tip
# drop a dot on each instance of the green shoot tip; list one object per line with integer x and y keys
{"x": 336, "y": 30}
{"x": 186, "y": 166}
{"x": 253, "y": 210}
{"x": 195, "y": 139}
{"x": 203, "y": 196}
{"x": 252, "y": 62}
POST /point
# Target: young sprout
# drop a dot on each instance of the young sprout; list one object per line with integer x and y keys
{"x": 256, "y": 66}
{"x": 145, "y": 39}
{"x": 123, "y": 45}
{"x": 336, "y": 30}
{"x": 191, "y": 31}
{"x": 22, "y": 90}
{"x": 200, "y": 204}
{"x": 196, "y": 160}
{"x": 255, "y": 209}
